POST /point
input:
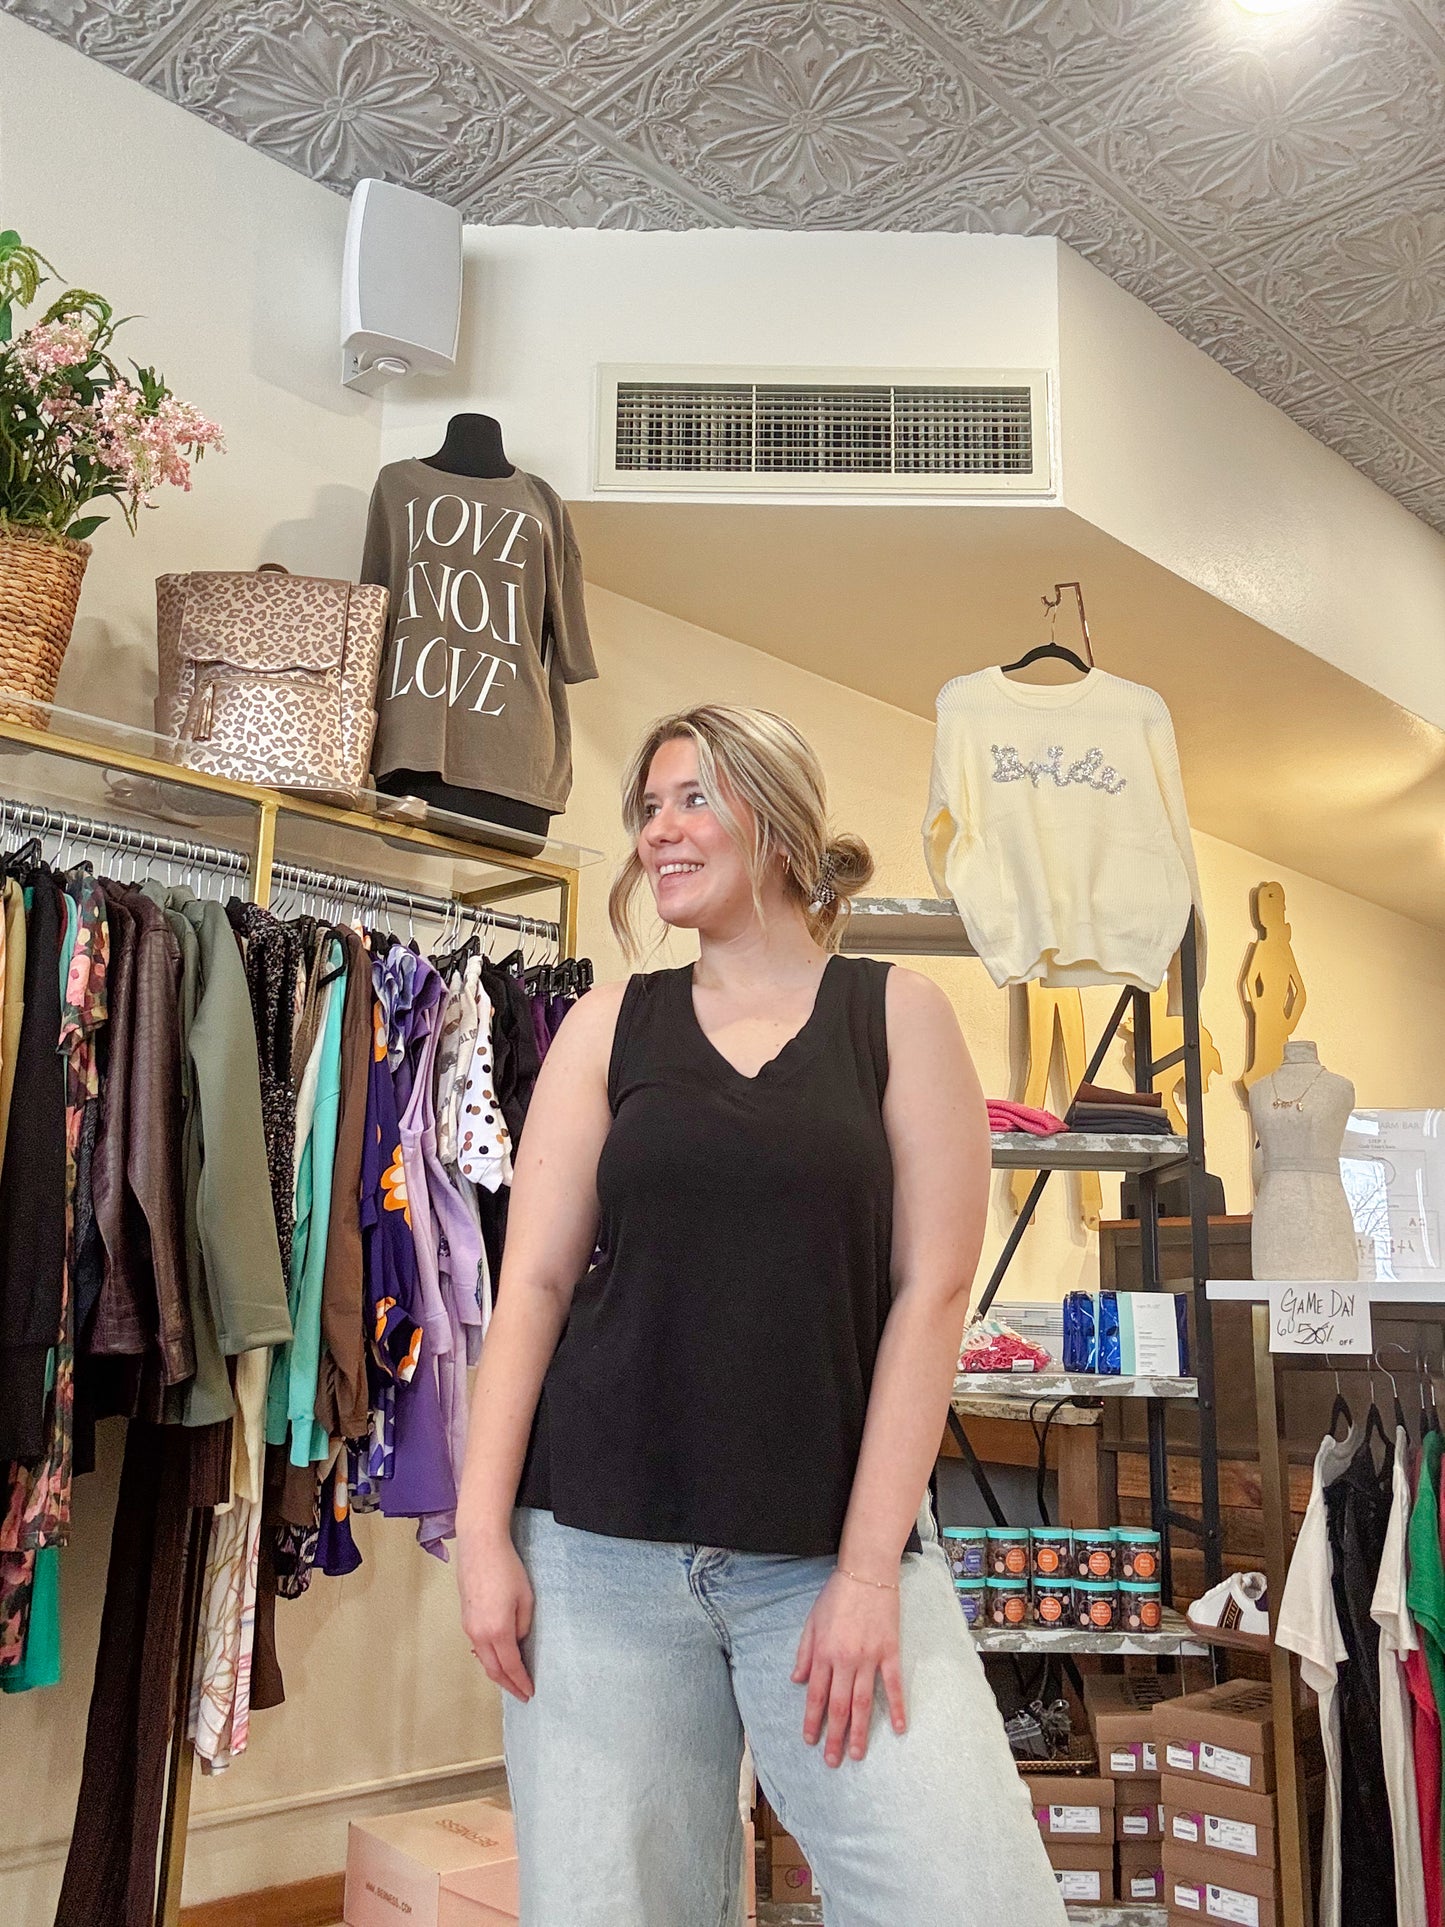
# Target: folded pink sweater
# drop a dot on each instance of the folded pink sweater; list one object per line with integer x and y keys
{"x": 1005, "y": 1115}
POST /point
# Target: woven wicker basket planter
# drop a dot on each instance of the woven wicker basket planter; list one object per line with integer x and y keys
{"x": 40, "y": 577}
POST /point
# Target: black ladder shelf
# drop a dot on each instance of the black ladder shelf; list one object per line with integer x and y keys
{"x": 928, "y": 927}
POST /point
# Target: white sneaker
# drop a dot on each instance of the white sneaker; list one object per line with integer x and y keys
{"x": 1235, "y": 1612}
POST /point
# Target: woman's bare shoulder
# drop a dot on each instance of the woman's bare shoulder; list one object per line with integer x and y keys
{"x": 590, "y": 1025}
{"x": 916, "y": 1005}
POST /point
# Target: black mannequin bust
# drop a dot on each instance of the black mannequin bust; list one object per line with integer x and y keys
{"x": 472, "y": 446}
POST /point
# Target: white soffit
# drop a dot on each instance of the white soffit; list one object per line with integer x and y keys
{"x": 1282, "y": 752}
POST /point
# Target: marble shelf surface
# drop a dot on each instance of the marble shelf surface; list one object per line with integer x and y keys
{"x": 782, "y": 1914}
{"x": 1176, "y": 1636}
{"x": 1087, "y": 1151}
{"x": 1025, "y": 1387}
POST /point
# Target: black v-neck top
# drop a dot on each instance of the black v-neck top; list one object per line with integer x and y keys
{"x": 712, "y": 1382}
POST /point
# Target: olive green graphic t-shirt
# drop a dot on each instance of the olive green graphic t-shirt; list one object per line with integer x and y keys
{"x": 486, "y": 630}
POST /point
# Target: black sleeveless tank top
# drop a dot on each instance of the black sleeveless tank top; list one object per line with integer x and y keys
{"x": 712, "y": 1381}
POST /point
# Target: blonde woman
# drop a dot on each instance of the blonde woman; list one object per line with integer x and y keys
{"x": 744, "y": 1225}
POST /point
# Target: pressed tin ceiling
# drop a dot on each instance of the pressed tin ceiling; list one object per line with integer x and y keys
{"x": 1274, "y": 186}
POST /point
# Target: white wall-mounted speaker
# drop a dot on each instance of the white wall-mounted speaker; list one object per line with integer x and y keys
{"x": 401, "y": 286}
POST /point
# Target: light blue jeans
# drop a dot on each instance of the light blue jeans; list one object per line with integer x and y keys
{"x": 650, "y": 1661}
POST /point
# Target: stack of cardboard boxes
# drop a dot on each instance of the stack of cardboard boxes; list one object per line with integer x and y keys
{"x": 1121, "y": 1716}
{"x": 1216, "y": 1752}
{"x": 1076, "y": 1818}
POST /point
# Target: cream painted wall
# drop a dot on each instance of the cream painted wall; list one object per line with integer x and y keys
{"x": 231, "y": 264}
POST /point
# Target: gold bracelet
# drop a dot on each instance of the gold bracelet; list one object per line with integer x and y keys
{"x": 883, "y": 1585}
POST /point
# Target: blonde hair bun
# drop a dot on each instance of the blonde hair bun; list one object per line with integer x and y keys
{"x": 849, "y": 865}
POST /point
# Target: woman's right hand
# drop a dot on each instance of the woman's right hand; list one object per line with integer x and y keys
{"x": 496, "y": 1607}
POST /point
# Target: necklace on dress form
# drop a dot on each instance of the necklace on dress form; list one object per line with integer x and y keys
{"x": 1296, "y": 1103}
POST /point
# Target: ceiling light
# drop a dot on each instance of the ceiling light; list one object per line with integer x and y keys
{"x": 1269, "y": 6}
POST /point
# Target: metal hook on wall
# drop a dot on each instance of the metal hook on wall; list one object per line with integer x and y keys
{"x": 1051, "y": 603}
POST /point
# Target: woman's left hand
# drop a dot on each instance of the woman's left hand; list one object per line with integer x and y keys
{"x": 850, "y": 1639}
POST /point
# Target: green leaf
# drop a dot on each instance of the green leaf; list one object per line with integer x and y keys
{"x": 82, "y": 530}
{"x": 5, "y": 322}
{"x": 9, "y": 240}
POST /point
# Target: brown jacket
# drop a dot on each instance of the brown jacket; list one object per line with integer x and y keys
{"x": 139, "y": 1191}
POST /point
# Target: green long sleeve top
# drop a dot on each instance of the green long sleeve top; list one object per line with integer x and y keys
{"x": 291, "y": 1402}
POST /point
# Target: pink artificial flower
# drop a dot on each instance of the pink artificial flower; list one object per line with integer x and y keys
{"x": 51, "y": 346}
{"x": 148, "y": 448}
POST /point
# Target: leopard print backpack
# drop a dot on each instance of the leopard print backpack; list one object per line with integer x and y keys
{"x": 270, "y": 678}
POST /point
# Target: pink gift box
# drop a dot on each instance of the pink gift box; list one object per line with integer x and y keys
{"x": 453, "y": 1866}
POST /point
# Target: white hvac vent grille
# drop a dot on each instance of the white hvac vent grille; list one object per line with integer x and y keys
{"x": 709, "y": 428}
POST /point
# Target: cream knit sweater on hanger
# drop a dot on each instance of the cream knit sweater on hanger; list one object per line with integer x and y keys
{"x": 1057, "y": 823}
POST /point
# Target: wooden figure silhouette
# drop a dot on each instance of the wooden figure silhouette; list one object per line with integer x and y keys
{"x": 1055, "y": 1015}
{"x": 1270, "y": 985}
{"x": 1166, "y": 1035}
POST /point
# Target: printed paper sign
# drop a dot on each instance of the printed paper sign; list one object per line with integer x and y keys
{"x": 1393, "y": 1167}
{"x": 1327, "y": 1319}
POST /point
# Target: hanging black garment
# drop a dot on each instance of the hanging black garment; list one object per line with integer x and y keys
{"x": 509, "y": 1043}
{"x": 746, "y": 1237}
{"x": 273, "y": 959}
{"x": 110, "y": 1326}
{"x": 110, "y": 1871}
{"x": 32, "y": 1188}
{"x": 1357, "y": 1511}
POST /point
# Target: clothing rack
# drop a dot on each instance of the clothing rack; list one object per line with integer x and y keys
{"x": 267, "y": 816}
{"x": 365, "y": 894}
{"x": 1415, "y": 1312}
{"x": 94, "y": 832}
{"x": 98, "y": 833}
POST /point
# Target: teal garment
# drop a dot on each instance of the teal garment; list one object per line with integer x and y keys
{"x": 291, "y": 1397}
{"x": 67, "y": 942}
{"x": 41, "y": 1664}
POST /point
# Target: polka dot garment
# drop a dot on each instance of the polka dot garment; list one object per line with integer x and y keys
{"x": 484, "y": 1144}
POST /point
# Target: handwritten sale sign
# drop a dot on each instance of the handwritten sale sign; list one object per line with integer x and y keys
{"x": 1320, "y": 1318}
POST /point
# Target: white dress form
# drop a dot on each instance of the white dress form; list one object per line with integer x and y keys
{"x": 1302, "y": 1223}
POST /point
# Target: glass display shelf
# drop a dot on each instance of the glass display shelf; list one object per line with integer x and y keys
{"x": 1406, "y": 1293}
{"x": 1026, "y": 1387}
{"x": 34, "y": 735}
{"x": 85, "y": 766}
{"x": 1086, "y": 1151}
{"x": 1176, "y": 1637}
{"x": 319, "y": 853}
